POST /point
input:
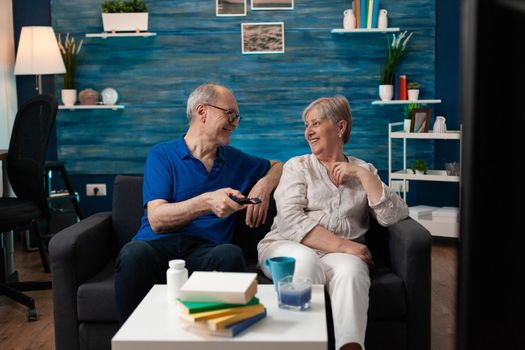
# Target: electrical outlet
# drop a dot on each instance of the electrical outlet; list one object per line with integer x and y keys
{"x": 98, "y": 190}
{"x": 397, "y": 185}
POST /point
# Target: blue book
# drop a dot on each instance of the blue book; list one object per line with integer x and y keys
{"x": 375, "y": 13}
{"x": 396, "y": 86}
{"x": 364, "y": 11}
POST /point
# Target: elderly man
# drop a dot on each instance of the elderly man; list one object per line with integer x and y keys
{"x": 189, "y": 184}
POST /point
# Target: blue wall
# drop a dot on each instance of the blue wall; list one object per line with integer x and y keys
{"x": 155, "y": 75}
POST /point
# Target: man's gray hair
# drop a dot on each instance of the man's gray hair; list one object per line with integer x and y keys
{"x": 205, "y": 93}
{"x": 334, "y": 109}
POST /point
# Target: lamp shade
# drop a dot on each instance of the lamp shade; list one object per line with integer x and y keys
{"x": 38, "y": 52}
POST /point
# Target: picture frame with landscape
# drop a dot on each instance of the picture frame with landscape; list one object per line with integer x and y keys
{"x": 230, "y": 7}
{"x": 272, "y": 4}
{"x": 262, "y": 38}
{"x": 420, "y": 120}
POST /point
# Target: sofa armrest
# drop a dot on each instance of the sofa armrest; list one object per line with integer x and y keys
{"x": 77, "y": 253}
{"x": 410, "y": 247}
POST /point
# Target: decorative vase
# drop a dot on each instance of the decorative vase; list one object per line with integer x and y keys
{"x": 440, "y": 125}
{"x": 109, "y": 96}
{"x": 69, "y": 96}
{"x": 413, "y": 94}
{"x": 406, "y": 125}
{"x": 382, "y": 21}
{"x": 349, "y": 19}
{"x": 88, "y": 97}
{"x": 386, "y": 92}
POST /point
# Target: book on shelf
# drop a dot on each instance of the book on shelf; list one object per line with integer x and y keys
{"x": 375, "y": 13}
{"x": 396, "y": 86}
{"x": 230, "y": 330}
{"x": 363, "y": 8}
{"x": 225, "y": 287}
{"x": 224, "y": 321}
{"x": 402, "y": 87}
{"x": 357, "y": 12}
{"x": 191, "y": 307}
{"x": 208, "y": 315}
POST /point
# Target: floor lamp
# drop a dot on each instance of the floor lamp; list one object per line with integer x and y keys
{"x": 38, "y": 54}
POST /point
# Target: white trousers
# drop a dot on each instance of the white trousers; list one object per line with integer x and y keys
{"x": 345, "y": 276}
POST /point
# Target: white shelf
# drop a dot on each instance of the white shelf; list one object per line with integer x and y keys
{"x": 449, "y": 135}
{"x": 431, "y": 175}
{"x": 404, "y": 102}
{"x": 363, "y": 30}
{"x": 119, "y": 35}
{"x": 440, "y": 228}
{"x": 72, "y": 108}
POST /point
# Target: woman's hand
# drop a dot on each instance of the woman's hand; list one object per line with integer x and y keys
{"x": 359, "y": 250}
{"x": 341, "y": 172}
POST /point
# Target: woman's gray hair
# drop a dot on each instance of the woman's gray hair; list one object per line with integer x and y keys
{"x": 334, "y": 109}
{"x": 205, "y": 93}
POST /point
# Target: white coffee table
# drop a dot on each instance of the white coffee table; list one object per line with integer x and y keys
{"x": 155, "y": 325}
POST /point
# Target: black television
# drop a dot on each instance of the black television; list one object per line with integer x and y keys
{"x": 490, "y": 313}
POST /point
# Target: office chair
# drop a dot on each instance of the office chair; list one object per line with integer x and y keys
{"x": 25, "y": 169}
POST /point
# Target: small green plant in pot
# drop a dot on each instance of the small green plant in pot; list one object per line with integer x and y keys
{"x": 118, "y": 15}
{"x": 413, "y": 90}
{"x": 395, "y": 52}
{"x": 69, "y": 51}
{"x": 419, "y": 166}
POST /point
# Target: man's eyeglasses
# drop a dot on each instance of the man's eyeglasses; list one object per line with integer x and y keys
{"x": 230, "y": 113}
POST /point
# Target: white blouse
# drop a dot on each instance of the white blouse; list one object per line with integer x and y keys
{"x": 306, "y": 197}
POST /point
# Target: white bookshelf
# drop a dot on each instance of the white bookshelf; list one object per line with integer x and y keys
{"x": 436, "y": 227}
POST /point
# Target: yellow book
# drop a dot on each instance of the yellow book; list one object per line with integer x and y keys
{"x": 221, "y": 322}
{"x": 207, "y": 315}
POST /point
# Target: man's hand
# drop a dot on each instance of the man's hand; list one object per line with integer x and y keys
{"x": 256, "y": 214}
{"x": 221, "y": 204}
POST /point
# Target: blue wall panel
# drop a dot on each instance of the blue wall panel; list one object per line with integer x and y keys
{"x": 154, "y": 77}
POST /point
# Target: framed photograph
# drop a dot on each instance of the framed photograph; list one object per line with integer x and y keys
{"x": 230, "y": 7}
{"x": 420, "y": 120}
{"x": 272, "y": 4}
{"x": 261, "y": 38}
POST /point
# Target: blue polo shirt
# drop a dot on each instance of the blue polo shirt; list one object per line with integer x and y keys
{"x": 173, "y": 174}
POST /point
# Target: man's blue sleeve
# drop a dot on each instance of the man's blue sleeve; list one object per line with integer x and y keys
{"x": 158, "y": 179}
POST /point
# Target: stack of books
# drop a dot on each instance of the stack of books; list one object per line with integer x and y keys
{"x": 220, "y": 303}
{"x": 423, "y": 212}
{"x": 446, "y": 214}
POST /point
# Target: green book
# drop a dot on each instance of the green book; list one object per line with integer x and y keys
{"x": 191, "y": 307}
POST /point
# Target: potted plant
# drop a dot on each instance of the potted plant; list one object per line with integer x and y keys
{"x": 131, "y": 15}
{"x": 407, "y": 110}
{"x": 395, "y": 51}
{"x": 413, "y": 90}
{"x": 419, "y": 166}
{"x": 69, "y": 51}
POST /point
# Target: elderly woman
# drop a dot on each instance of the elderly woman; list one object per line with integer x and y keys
{"x": 324, "y": 201}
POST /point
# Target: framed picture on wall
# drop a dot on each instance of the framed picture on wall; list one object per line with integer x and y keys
{"x": 420, "y": 120}
{"x": 230, "y": 7}
{"x": 272, "y": 4}
{"x": 262, "y": 38}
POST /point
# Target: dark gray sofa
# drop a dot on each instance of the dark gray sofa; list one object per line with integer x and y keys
{"x": 83, "y": 258}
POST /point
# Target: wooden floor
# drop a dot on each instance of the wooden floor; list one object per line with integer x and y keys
{"x": 17, "y": 333}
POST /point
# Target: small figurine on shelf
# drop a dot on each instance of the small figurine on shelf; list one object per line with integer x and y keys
{"x": 349, "y": 19}
{"x": 382, "y": 21}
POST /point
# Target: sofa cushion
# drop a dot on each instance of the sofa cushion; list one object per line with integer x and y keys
{"x": 387, "y": 295}
{"x": 96, "y": 297}
{"x": 127, "y": 208}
